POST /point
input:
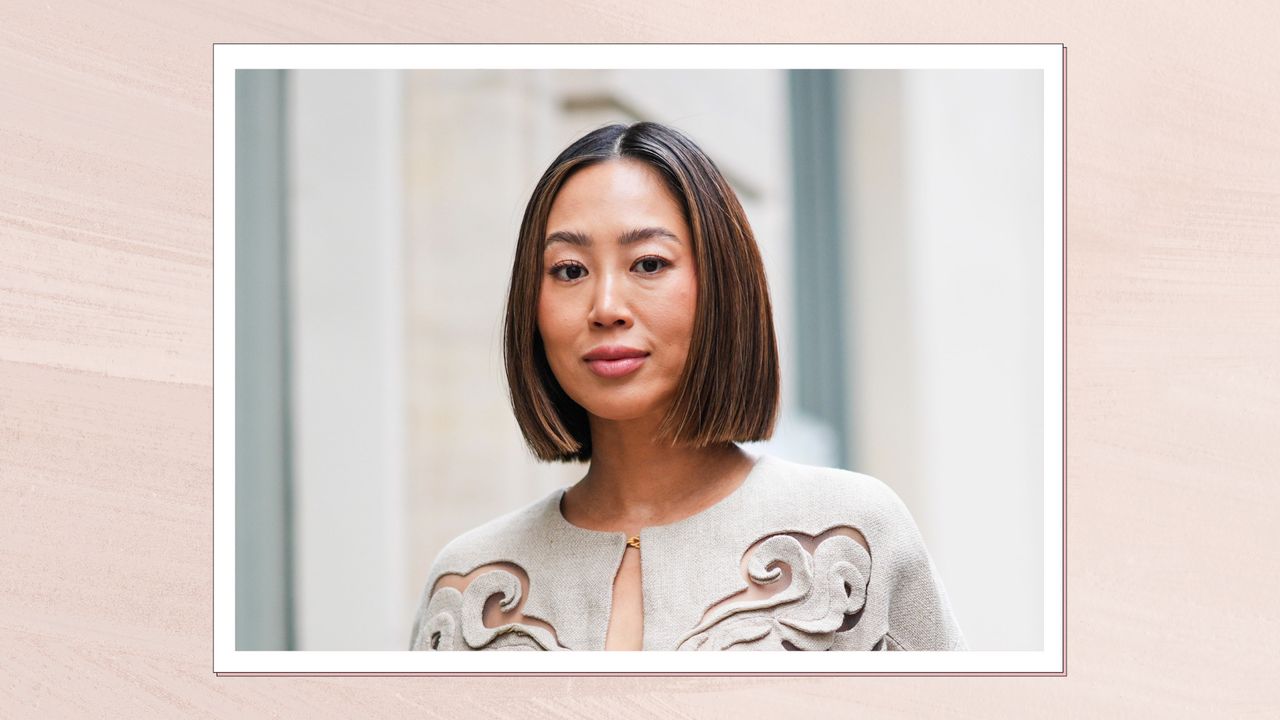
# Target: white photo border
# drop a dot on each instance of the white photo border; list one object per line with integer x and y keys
{"x": 227, "y": 58}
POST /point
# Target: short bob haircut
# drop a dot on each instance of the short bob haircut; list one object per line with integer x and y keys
{"x": 729, "y": 387}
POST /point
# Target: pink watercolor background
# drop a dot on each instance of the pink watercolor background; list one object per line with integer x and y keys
{"x": 1173, "y": 272}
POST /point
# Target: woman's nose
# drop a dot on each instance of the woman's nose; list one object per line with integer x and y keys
{"x": 608, "y": 305}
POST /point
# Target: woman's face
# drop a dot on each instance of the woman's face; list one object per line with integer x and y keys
{"x": 619, "y": 290}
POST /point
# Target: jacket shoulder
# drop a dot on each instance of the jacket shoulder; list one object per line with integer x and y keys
{"x": 837, "y": 494}
{"x": 495, "y": 540}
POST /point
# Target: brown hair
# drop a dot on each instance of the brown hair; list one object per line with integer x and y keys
{"x": 729, "y": 388}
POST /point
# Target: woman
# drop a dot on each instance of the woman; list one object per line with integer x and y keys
{"x": 639, "y": 337}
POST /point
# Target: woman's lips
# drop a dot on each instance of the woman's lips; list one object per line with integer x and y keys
{"x": 616, "y": 368}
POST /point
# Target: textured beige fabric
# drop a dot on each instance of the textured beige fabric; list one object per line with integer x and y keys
{"x": 837, "y": 596}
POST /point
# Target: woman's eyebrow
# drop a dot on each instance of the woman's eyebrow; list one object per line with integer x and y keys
{"x": 627, "y": 238}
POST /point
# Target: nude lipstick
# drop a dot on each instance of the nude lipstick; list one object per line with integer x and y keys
{"x": 615, "y": 361}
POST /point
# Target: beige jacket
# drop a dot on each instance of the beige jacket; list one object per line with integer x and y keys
{"x": 788, "y": 529}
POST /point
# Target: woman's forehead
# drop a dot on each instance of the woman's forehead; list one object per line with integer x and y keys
{"x": 618, "y": 198}
{"x": 620, "y": 183}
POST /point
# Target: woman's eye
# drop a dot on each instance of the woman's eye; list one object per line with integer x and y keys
{"x": 651, "y": 265}
{"x": 568, "y": 271}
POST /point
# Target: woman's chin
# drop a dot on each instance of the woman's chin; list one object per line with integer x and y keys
{"x": 623, "y": 411}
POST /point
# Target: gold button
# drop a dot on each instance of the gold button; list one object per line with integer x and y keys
{"x": 634, "y": 541}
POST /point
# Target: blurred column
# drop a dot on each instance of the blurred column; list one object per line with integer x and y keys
{"x": 822, "y": 361}
{"x": 947, "y": 286}
{"x": 347, "y": 361}
{"x": 263, "y": 531}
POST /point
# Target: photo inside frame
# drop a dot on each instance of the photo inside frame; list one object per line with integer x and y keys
{"x": 907, "y": 224}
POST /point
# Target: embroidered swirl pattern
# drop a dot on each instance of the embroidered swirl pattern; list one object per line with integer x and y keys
{"x": 455, "y": 620}
{"x": 827, "y": 588}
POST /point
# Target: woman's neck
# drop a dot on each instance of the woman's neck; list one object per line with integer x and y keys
{"x": 635, "y": 482}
